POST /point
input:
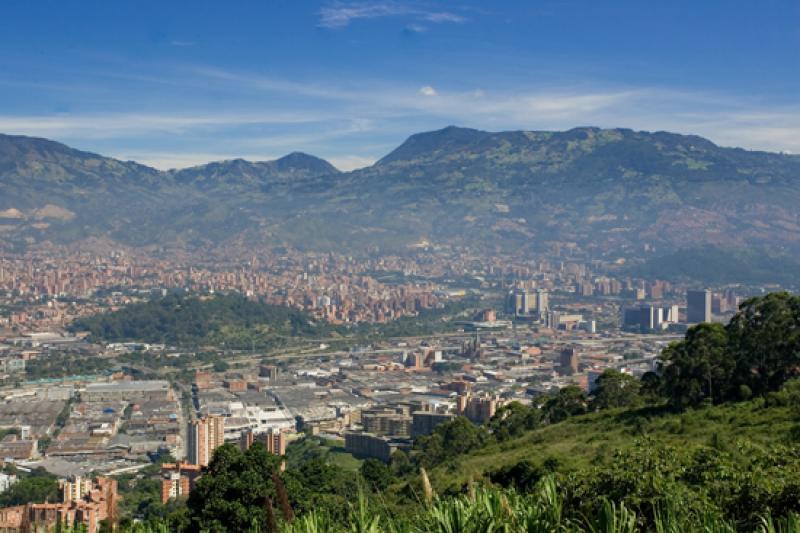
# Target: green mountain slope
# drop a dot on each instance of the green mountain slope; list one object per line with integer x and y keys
{"x": 610, "y": 190}
{"x": 592, "y": 440}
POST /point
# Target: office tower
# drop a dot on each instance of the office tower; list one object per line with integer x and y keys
{"x": 510, "y": 307}
{"x": 731, "y": 300}
{"x": 518, "y": 302}
{"x": 632, "y": 318}
{"x": 651, "y": 317}
{"x": 542, "y": 303}
{"x": 698, "y": 306}
{"x": 525, "y": 304}
{"x": 205, "y": 436}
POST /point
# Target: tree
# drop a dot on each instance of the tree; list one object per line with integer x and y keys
{"x": 765, "y": 341}
{"x": 231, "y": 494}
{"x": 449, "y": 440}
{"x": 652, "y": 386}
{"x": 317, "y": 484}
{"x": 33, "y": 489}
{"x": 514, "y": 419}
{"x": 221, "y": 366}
{"x": 569, "y": 401}
{"x": 523, "y": 476}
{"x": 615, "y": 389}
{"x": 377, "y": 474}
{"x": 698, "y": 367}
{"x": 401, "y": 464}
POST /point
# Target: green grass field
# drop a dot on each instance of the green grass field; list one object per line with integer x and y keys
{"x": 592, "y": 439}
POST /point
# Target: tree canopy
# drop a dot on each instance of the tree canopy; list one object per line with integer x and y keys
{"x": 174, "y": 319}
{"x": 616, "y": 389}
{"x": 756, "y": 353}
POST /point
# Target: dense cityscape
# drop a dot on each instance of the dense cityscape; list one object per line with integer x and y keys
{"x": 513, "y": 329}
{"x": 402, "y": 266}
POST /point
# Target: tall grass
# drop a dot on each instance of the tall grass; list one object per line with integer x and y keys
{"x": 492, "y": 510}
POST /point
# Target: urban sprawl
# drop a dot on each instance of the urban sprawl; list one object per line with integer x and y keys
{"x": 537, "y": 325}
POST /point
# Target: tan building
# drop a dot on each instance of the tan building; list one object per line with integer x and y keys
{"x": 128, "y": 391}
{"x": 75, "y": 488}
{"x": 478, "y": 409}
{"x": 97, "y": 503}
{"x": 386, "y": 422}
{"x": 205, "y": 435}
{"x": 275, "y": 440}
{"x": 178, "y": 479}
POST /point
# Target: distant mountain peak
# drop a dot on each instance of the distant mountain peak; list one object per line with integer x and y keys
{"x": 429, "y": 142}
{"x": 302, "y": 160}
{"x": 296, "y": 165}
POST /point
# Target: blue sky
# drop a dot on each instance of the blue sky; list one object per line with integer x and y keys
{"x": 172, "y": 83}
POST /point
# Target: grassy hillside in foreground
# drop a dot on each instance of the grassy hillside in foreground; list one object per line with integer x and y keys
{"x": 584, "y": 441}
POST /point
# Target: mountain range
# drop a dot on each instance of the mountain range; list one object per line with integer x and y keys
{"x": 611, "y": 191}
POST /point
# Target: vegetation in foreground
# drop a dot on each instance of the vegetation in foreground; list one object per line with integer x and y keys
{"x": 708, "y": 443}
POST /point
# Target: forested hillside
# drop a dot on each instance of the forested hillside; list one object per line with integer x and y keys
{"x": 185, "y": 320}
{"x": 609, "y": 190}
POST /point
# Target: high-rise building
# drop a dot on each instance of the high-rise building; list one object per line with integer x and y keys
{"x": 525, "y": 306}
{"x": 205, "y": 436}
{"x": 178, "y": 479}
{"x": 274, "y": 439}
{"x": 671, "y": 314}
{"x": 479, "y": 409}
{"x": 197, "y": 445}
{"x": 518, "y": 302}
{"x": 74, "y": 488}
{"x": 651, "y": 317}
{"x": 542, "y": 302}
{"x": 569, "y": 361}
{"x": 698, "y": 306}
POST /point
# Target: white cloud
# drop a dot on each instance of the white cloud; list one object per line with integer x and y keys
{"x": 341, "y": 14}
{"x": 427, "y": 90}
{"x": 106, "y": 125}
{"x": 443, "y": 16}
{"x": 361, "y": 117}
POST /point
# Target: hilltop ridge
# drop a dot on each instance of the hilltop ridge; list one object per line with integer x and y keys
{"x": 607, "y": 189}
